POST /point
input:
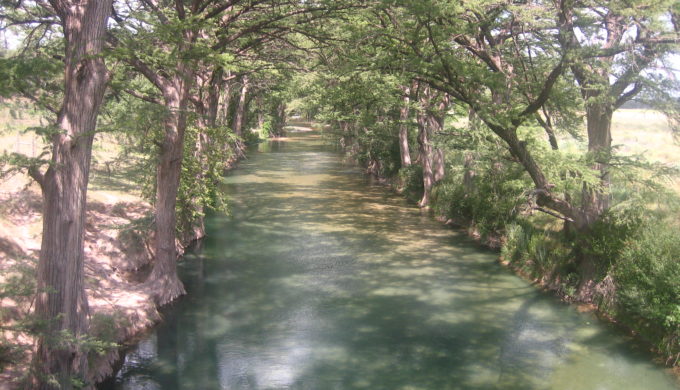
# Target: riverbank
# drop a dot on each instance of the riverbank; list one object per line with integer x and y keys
{"x": 117, "y": 256}
{"x": 552, "y": 283}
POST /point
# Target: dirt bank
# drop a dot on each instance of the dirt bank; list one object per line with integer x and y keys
{"x": 117, "y": 256}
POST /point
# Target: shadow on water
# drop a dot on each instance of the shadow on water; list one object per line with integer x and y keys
{"x": 320, "y": 281}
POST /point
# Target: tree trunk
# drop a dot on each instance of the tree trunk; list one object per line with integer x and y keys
{"x": 200, "y": 154}
{"x": 61, "y": 301}
{"x": 439, "y": 165}
{"x": 430, "y": 118}
{"x": 469, "y": 175}
{"x": 425, "y": 158}
{"x": 436, "y": 123}
{"x": 207, "y": 114}
{"x": 260, "y": 111}
{"x": 280, "y": 119}
{"x": 213, "y": 98}
{"x": 599, "y": 120}
{"x": 163, "y": 279}
{"x": 595, "y": 201}
{"x": 239, "y": 115}
{"x": 404, "y": 114}
{"x": 223, "y": 104}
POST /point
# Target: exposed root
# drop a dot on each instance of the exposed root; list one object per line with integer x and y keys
{"x": 165, "y": 288}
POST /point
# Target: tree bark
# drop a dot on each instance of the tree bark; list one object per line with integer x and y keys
{"x": 430, "y": 119}
{"x": 425, "y": 158}
{"x": 439, "y": 165}
{"x": 469, "y": 174}
{"x": 163, "y": 278}
{"x": 207, "y": 118}
{"x": 213, "y": 103}
{"x": 223, "y": 104}
{"x": 239, "y": 115}
{"x": 404, "y": 114}
{"x": 596, "y": 201}
{"x": 260, "y": 111}
{"x": 280, "y": 121}
{"x": 61, "y": 301}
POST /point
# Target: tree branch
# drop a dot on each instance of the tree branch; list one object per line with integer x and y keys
{"x": 544, "y": 95}
{"x": 140, "y": 96}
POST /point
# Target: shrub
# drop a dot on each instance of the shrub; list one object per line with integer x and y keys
{"x": 411, "y": 182}
{"x": 492, "y": 204}
{"x": 611, "y": 234}
{"x": 647, "y": 277}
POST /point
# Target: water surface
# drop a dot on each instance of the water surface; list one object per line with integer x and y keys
{"x": 321, "y": 280}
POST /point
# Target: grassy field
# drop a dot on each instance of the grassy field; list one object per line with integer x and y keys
{"x": 111, "y": 176}
{"x": 646, "y": 133}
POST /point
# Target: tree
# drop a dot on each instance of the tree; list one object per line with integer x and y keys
{"x": 614, "y": 49}
{"x": 504, "y": 60}
{"x": 61, "y": 302}
{"x": 433, "y": 106}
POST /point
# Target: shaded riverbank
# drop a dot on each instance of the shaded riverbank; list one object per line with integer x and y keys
{"x": 118, "y": 258}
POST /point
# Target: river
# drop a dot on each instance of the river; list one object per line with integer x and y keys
{"x": 322, "y": 280}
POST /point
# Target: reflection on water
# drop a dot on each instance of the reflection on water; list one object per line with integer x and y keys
{"x": 320, "y": 280}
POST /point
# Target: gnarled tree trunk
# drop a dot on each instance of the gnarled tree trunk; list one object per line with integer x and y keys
{"x": 61, "y": 301}
{"x": 163, "y": 279}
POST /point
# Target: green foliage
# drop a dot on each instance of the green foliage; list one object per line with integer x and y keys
{"x": 18, "y": 285}
{"x": 199, "y": 189}
{"x": 610, "y": 235}
{"x": 138, "y": 128}
{"x": 251, "y": 137}
{"x": 493, "y": 201}
{"x": 267, "y": 128}
{"x": 647, "y": 277}
{"x": 410, "y": 182}
{"x": 104, "y": 331}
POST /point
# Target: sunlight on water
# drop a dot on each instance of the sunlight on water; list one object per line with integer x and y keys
{"x": 320, "y": 280}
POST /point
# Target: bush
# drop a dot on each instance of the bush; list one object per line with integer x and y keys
{"x": 647, "y": 277}
{"x": 611, "y": 234}
{"x": 491, "y": 205}
{"x": 267, "y": 128}
{"x": 411, "y": 182}
{"x": 449, "y": 199}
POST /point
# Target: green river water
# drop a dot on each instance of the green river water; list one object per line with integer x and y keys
{"x": 322, "y": 280}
